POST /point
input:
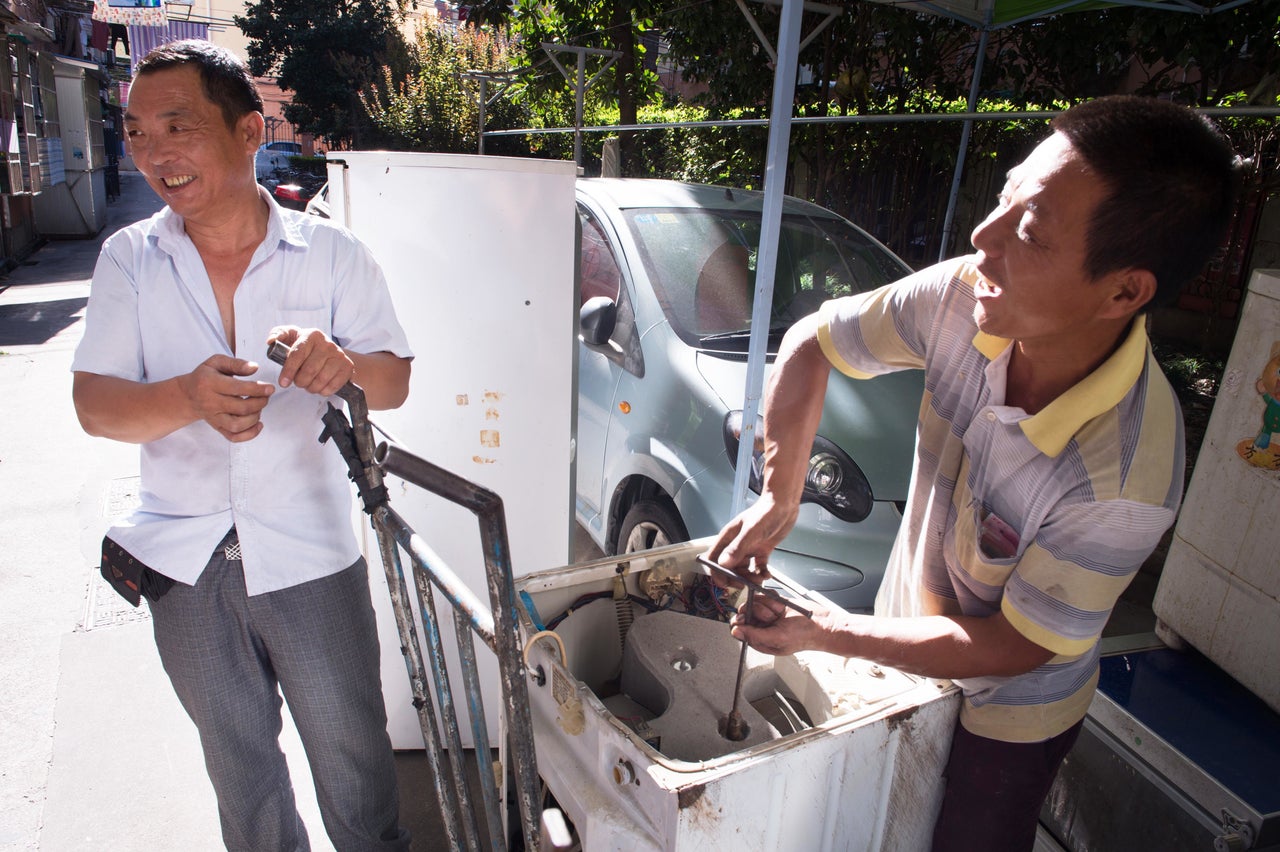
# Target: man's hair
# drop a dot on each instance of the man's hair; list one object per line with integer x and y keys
{"x": 226, "y": 80}
{"x": 1171, "y": 179}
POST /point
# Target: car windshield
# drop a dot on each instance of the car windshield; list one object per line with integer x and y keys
{"x": 702, "y": 265}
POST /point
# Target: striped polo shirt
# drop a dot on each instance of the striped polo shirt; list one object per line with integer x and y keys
{"x": 1044, "y": 517}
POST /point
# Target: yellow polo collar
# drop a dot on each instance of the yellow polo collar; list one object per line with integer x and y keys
{"x": 1052, "y": 428}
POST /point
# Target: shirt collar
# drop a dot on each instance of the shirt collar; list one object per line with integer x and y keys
{"x": 170, "y": 229}
{"x": 1053, "y": 427}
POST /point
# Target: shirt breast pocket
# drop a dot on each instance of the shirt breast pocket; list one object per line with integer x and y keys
{"x": 997, "y": 541}
{"x": 307, "y": 318}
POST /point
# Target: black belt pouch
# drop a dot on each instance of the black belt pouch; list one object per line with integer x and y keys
{"x": 129, "y": 576}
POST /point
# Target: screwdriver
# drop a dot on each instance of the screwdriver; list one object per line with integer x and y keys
{"x": 735, "y": 729}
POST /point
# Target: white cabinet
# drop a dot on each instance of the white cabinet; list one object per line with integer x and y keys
{"x": 1220, "y": 590}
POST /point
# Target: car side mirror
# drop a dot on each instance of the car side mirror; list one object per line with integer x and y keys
{"x": 597, "y": 319}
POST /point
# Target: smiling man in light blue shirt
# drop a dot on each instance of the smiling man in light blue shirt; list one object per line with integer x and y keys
{"x": 242, "y": 507}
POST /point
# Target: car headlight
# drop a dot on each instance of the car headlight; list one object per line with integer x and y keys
{"x": 833, "y": 481}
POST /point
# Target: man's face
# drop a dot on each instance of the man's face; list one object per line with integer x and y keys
{"x": 180, "y": 142}
{"x": 1031, "y": 250}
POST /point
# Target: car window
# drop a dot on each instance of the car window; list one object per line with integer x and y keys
{"x": 600, "y": 275}
{"x": 702, "y": 265}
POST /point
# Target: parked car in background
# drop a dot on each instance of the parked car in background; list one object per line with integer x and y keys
{"x": 666, "y": 289}
{"x": 298, "y": 190}
{"x": 319, "y": 205}
{"x": 273, "y": 156}
{"x": 291, "y": 195}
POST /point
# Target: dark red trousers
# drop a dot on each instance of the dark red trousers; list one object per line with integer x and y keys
{"x": 995, "y": 790}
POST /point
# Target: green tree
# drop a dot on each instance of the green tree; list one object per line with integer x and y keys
{"x": 624, "y": 26}
{"x": 325, "y": 53}
{"x": 1199, "y": 60}
{"x": 876, "y": 58}
{"x": 872, "y": 58}
{"x": 436, "y": 107}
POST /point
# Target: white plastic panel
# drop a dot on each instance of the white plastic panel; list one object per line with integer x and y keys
{"x": 1220, "y": 589}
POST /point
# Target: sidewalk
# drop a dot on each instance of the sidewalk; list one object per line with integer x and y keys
{"x": 97, "y": 752}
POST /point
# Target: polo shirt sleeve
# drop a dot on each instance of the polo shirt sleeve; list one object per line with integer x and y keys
{"x": 111, "y": 345}
{"x": 364, "y": 317}
{"x": 883, "y": 330}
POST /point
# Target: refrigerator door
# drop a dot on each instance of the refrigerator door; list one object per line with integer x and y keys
{"x": 479, "y": 255}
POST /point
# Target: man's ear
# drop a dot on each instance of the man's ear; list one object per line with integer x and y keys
{"x": 1132, "y": 290}
{"x": 252, "y": 128}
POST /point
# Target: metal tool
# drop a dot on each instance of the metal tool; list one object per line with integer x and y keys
{"x": 754, "y": 587}
{"x": 354, "y": 440}
{"x": 735, "y": 729}
{"x": 732, "y": 726}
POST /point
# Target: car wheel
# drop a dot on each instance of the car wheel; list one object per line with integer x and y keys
{"x": 648, "y": 524}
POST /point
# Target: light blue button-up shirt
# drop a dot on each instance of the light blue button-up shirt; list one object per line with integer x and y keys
{"x": 152, "y": 316}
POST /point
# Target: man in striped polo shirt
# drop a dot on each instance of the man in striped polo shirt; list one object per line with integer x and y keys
{"x": 1049, "y": 450}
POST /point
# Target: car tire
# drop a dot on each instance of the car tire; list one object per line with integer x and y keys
{"x": 648, "y": 524}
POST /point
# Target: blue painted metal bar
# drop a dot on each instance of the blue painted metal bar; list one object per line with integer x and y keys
{"x": 446, "y": 796}
{"x": 479, "y": 730}
{"x": 775, "y": 176}
{"x": 426, "y": 563}
{"x": 948, "y": 220}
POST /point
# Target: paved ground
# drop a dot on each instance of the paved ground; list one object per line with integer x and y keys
{"x": 95, "y": 752}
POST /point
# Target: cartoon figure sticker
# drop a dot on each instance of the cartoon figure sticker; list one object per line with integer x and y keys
{"x": 1264, "y": 450}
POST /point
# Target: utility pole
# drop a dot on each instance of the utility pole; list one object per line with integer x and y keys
{"x": 581, "y": 84}
{"x": 484, "y": 78}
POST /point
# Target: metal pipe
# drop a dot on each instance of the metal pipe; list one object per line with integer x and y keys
{"x": 409, "y": 647}
{"x": 503, "y": 634}
{"x": 423, "y": 576}
{"x": 879, "y": 118}
{"x": 457, "y": 592}
{"x": 479, "y": 730}
{"x": 775, "y": 176}
{"x": 958, "y": 173}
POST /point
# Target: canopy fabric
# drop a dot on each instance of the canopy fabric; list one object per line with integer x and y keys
{"x": 995, "y": 14}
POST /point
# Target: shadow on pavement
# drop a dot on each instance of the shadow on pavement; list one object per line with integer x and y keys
{"x": 38, "y": 322}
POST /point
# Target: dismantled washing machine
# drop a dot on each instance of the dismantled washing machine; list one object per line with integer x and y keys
{"x": 632, "y": 674}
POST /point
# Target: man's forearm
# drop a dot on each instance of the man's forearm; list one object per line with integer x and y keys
{"x": 383, "y": 377}
{"x": 133, "y": 412}
{"x": 936, "y": 646}
{"x": 793, "y": 408}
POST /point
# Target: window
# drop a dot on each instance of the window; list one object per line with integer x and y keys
{"x": 600, "y": 275}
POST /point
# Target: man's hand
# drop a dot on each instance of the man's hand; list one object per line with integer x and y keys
{"x": 225, "y": 401}
{"x": 316, "y": 364}
{"x": 744, "y": 544}
{"x": 774, "y": 628}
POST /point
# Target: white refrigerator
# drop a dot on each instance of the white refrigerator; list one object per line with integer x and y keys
{"x": 479, "y": 254}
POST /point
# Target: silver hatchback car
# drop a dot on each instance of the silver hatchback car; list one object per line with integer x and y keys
{"x": 666, "y": 285}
